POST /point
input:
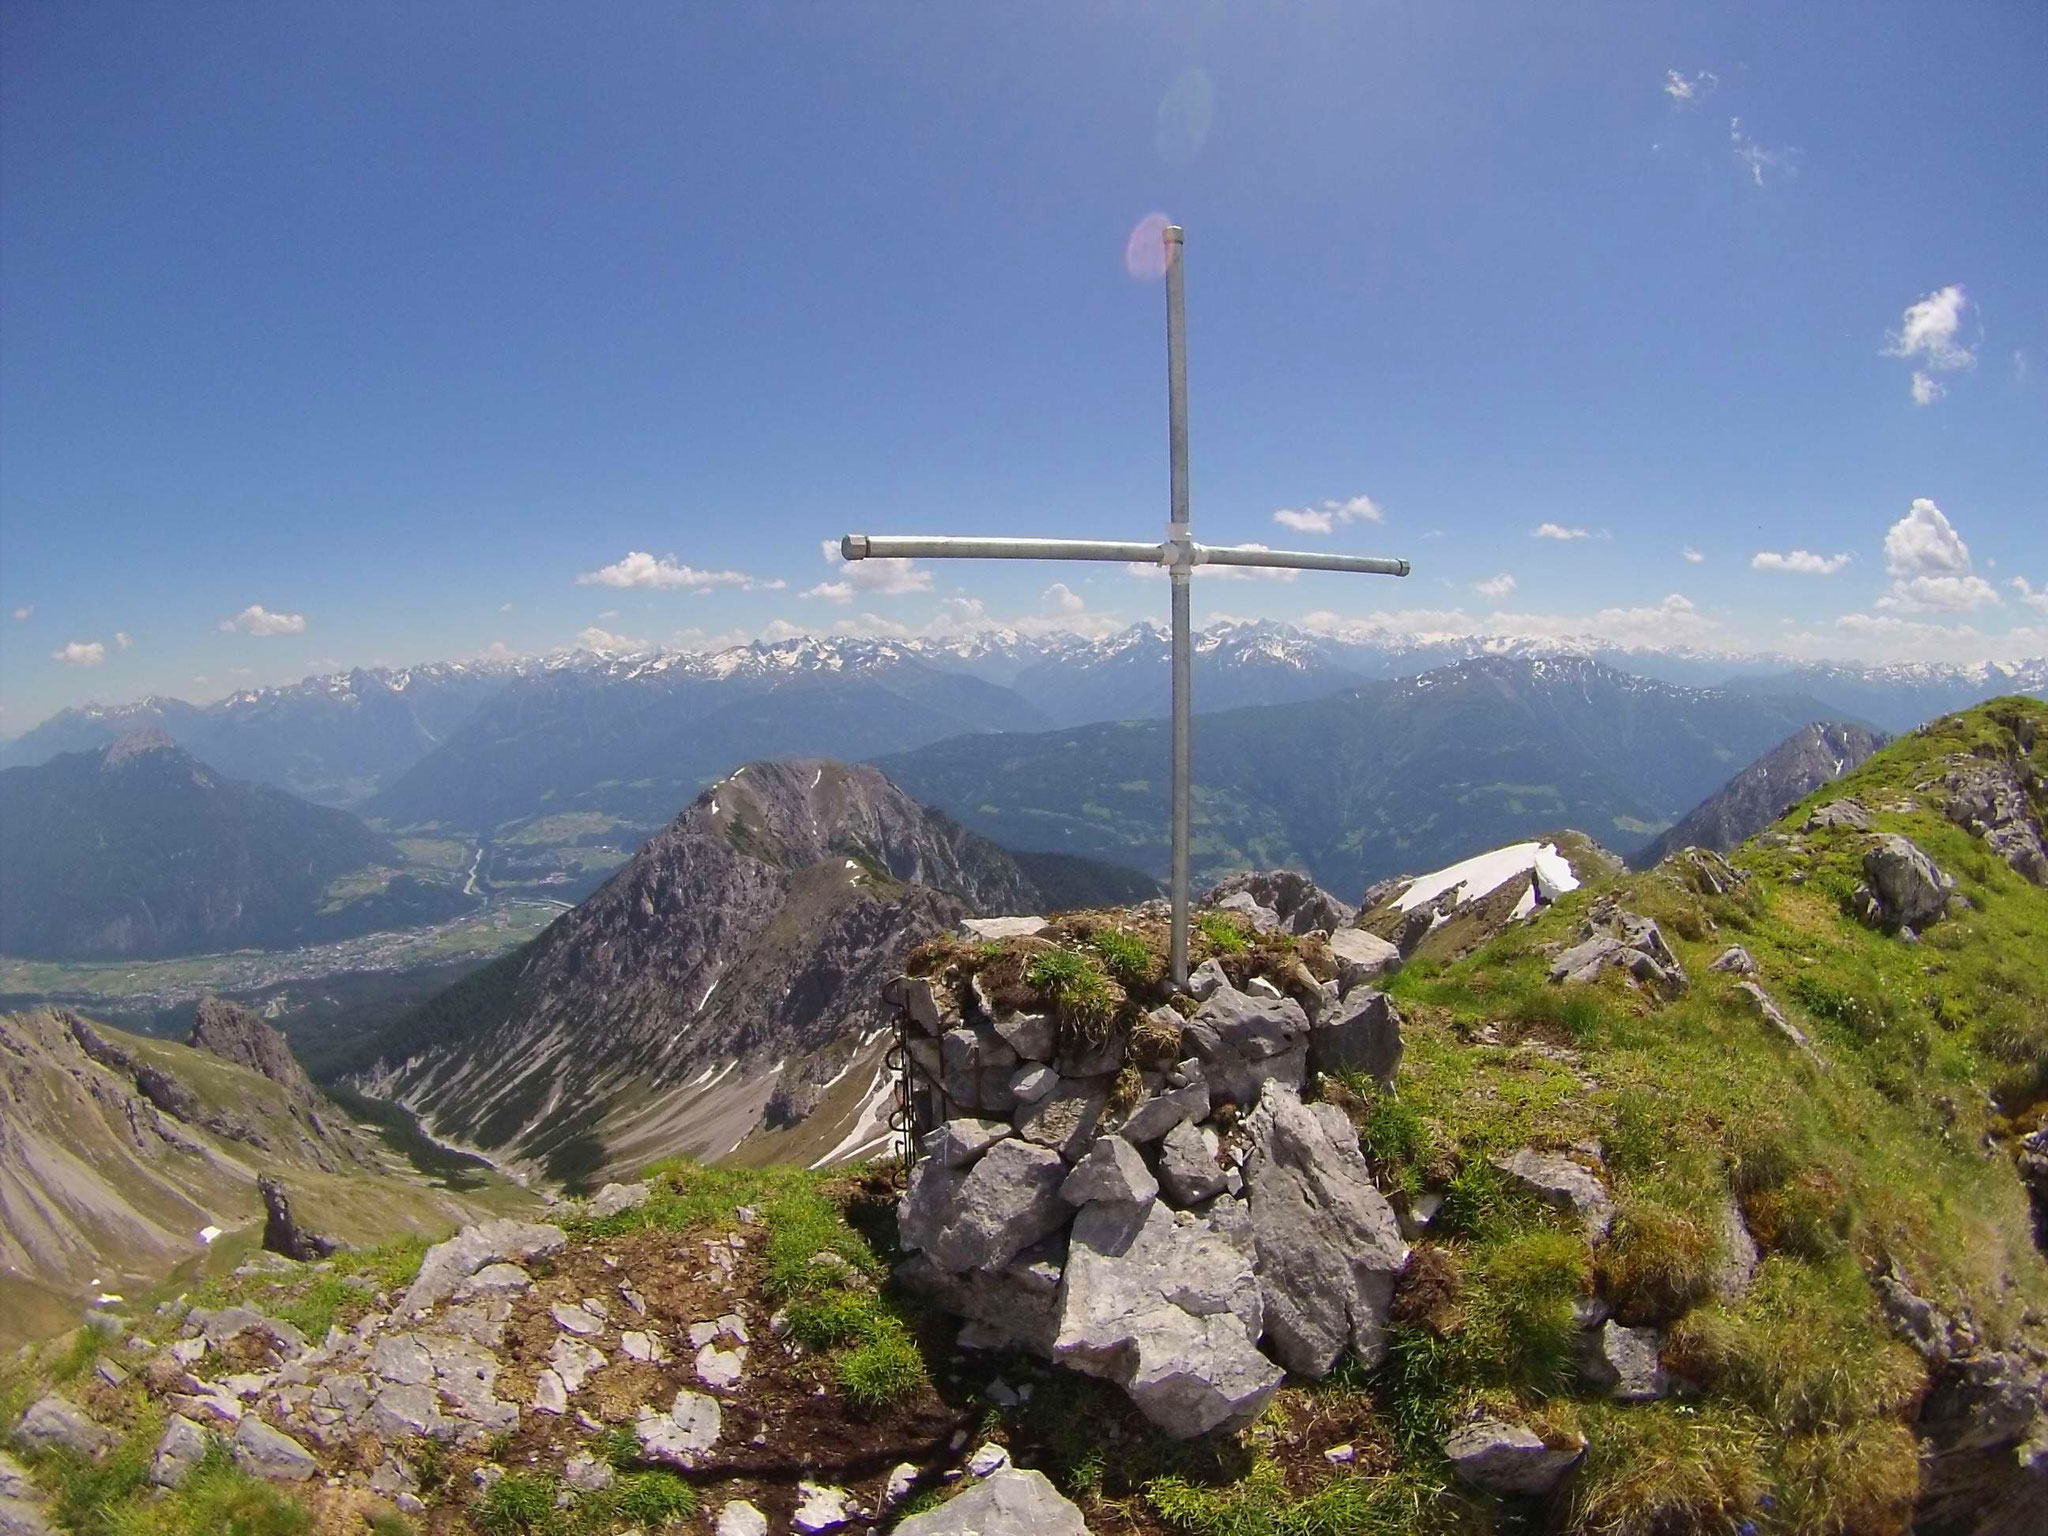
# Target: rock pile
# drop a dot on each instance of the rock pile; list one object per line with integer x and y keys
{"x": 1614, "y": 936}
{"x": 1159, "y": 1208}
{"x": 1991, "y": 801}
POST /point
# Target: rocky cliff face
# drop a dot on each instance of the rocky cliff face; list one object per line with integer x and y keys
{"x": 729, "y": 975}
{"x": 1811, "y": 756}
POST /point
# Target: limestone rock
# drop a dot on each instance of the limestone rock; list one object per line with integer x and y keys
{"x": 52, "y": 1423}
{"x": 1735, "y": 1270}
{"x": 1159, "y": 1114}
{"x": 1206, "y": 978}
{"x": 1014, "y": 1306}
{"x": 281, "y": 1230}
{"x": 1506, "y": 1458}
{"x": 1030, "y": 1035}
{"x": 959, "y": 1142}
{"x": 1362, "y": 1034}
{"x": 1009, "y": 1503}
{"x": 1736, "y": 960}
{"x": 1244, "y": 1041}
{"x": 1329, "y": 1245}
{"x": 178, "y": 1451}
{"x": 1187, "y": 1169}
{"x": 21, "y": 1508}
{"x": 1001, "y": 927}
{"x": 1295, "y": 904}
{"x": 1990, "y": 801}
{"x": 614, "y": 1198}
{"x": 448, "y": 1264}
{"x": 1903, "y": 887}
{"x": 822, "y": 1507}
{"x": 271, "y": 1453}
{"x": 1112, "y": 1170}
{"x": 1168, "y": 1306}
{"x": 1556, "y": 1180}
{"x": 1007, "y": 1201}
{"x": 1838, "y": 815}
{"x": 1065, "y": 1119}
{"x": 1361, "y": 956}
{"x": 1034, "y": 1080}
{"x": 1614, "y": 936}
{"x": 682, "y": 1436}
{"x": 739, "y": 1518}
{"x": 1262, "y": 919}
{"x": 1773, "y": 1015}
{"x": 1623, "y": 1363}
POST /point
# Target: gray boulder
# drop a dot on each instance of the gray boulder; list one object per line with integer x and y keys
{"x": 1838, "y": 816}
{"x": 1296, "y": 903}
{"x": 1008, "y": 1503}
{"x": 1623, "y": 1363}
{"x": 1362, "y": 1034}
{"x": 1007, "y": 1201}
{"x": 1496, "y": 1457}
{"x": 1243, "y": 1041}
{"x": 21, "y": 1507}
{"x": 1206, "y": 978}
{"x": 448, "y": 1264}
{"x": 1556, "y": 1180}
{"x": 1167, "y": 1305}
{"x": 958, "y": 1143}
{"x": 1159, "y": 1114}
{"x": 1614, "y": 936}
{"x": 1990, "y": 801}
{"x": 1903, "y": 887}
{"x": 1263, "y": 919}
{"x": 271, "y": 1453}
{"x": 615, "y": 1198}
{"x": 1361, "y": 956}
{"x": 52, "y": 1423}
{"x": 178, "y": 1451}
{"x": 1016, "y": 1305}
{"x": 1030, "y": 1035}
{"x": 1735, "y": 1270}
{"x": 1187, "y": 1169}
{"x": 1065, "y": 1119}
{"x": 1329, "y": 1244}
{"x": 1736, "y": 960}
{"x": 1112, "y": 1170}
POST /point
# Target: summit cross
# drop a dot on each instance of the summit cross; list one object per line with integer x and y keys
{"x": 1179, "y": 553}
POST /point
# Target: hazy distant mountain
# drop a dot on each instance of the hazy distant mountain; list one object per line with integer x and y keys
{"x": 1811, "y": 756}
{"x": 335, "y": 740}
{"x": 1388, "y": 778}
{"x": 1902, "y": 695}
{"x": 140, "y": 849}
{"x": 637, "y": 738}
{"x": 731, "y": 971}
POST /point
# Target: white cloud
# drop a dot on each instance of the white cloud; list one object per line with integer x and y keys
{"x": 1060, "y": 598}
{"x": 1674, "y": 621}
{"x": 1499, "y": 586}
{"x": 1688, "y": 91}
{"x": 1799, "y": 562}
{"x": 641, "y": 569}
{"x": 504, "y": 607}
{"x": 884, "y": 577}
{"x": 1557, "y": 531}
{"x": 595, "y": 639}
{"x": 23, "y": 613}
{"x": 257, "y": 620}
{"x": 780, "y": 629}
{"x": 1754, "y": 158}
{"x": 1927, "y": 388}
{"x": 1692, "y": 556}
{"x": 2034, "y": 598}
{"x": 1930, "y": 566}
{"x": 497, "y": 650}
{"x": 1927, "y": 331}
{"x": 1329, "y": 515}
{"x": 121, "y": 639}
{"x": 80, "y": 653}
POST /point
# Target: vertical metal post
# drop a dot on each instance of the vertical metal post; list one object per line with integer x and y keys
{"x": 1182, "y": 570}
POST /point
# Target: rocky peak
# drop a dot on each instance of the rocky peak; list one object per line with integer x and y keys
{"x": 237, "y": 1035}
{"x": 141, "y": 741}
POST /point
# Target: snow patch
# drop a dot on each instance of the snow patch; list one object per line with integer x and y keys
{"x": 1476, "y": 876}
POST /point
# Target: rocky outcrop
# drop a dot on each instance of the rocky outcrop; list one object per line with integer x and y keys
{"x": 1903, "y": 888}
{"x": 281, "y": 1230}
{"x": 1983, "y": 1423}
{"x": 1329, "y": 1244}
{"x": 1006, "y": 1503}
{"x": 235, "y": 1034}
{"x": 1361, "y": 1034}
{"x": 54, "y": 1423}
{"x": 1497, "y": 1457}
{"x": 1613, "y": 936}
{"x": 1557, "y": 1180}
{"x": 1992, "y": 801}
{"x": 1295, "y": 904}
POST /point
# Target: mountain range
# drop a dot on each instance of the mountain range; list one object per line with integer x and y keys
{"x": 1383, "y": 780}
{"x": 636, "y": 736}
{"x": 139, "y": 848}
{"x": 1811, "y": 756}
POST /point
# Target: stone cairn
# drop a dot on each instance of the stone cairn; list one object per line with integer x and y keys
{"x": 1156, "y": 1205}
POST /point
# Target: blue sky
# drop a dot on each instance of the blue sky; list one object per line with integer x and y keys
{"x": 335, "y": 335}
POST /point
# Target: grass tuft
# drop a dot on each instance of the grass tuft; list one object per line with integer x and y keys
{"x": 517, "y": 1504}
{"x": 1657, "y": 1264}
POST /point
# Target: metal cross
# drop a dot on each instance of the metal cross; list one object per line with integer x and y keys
{"x": 1180, "y": 554}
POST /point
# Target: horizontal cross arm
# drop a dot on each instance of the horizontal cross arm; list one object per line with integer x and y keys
{"x": 861, "y": 546}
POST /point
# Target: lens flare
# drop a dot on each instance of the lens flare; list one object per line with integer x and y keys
{"x": 1145, "y": 251}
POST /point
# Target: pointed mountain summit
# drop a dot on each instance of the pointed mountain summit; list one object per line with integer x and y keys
{"x": 1811, "y": 756}
{"x": 725, "y": 979}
